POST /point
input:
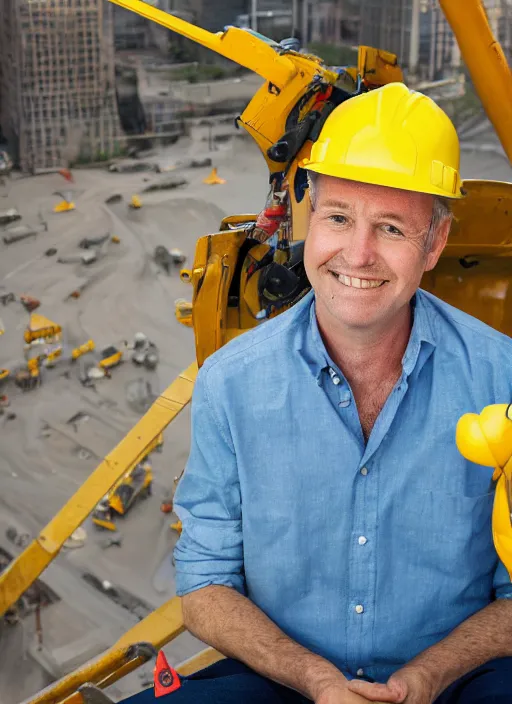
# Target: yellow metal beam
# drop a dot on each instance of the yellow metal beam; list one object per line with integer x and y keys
{"x": 236, "y": 44}
{"x": 157, "y": 629}
{"x": 486, "y": 63}
{"x": 27, "y": 567}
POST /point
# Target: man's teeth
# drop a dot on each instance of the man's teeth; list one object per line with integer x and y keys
{"x": 359, "y": 283}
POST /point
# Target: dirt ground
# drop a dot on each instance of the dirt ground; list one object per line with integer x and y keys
{"x": 44, "y": 457}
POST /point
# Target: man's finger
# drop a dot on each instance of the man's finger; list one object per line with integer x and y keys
{"x": 377, "y": 692}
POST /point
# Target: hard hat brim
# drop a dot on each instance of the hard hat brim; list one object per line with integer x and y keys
{"x": 378, "y": 177}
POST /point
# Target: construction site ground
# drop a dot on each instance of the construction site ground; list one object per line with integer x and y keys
{"x": 62, "y": 429}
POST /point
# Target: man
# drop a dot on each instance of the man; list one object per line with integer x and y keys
{"x": 336, "y": 547}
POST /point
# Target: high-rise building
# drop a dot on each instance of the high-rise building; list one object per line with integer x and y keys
{"x": 58, "y": 101}
{"x": 335, "y": 21}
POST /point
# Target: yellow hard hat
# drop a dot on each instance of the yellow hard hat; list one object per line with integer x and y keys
{"x": 390, "y": 136}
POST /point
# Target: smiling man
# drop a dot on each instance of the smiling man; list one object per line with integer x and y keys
{"x": 336, "y": 547}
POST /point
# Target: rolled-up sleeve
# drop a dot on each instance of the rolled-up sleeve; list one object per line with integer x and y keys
{"x": 207, "y": 502}
{"x": 502, "y": 583}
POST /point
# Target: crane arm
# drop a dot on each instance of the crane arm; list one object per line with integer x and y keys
{"x": 244, "y": 47}
{"x": 486, "y": 63}
{"x": 27, "y": 567}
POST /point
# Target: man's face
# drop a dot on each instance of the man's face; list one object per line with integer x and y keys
{"x": 365, "y": 251}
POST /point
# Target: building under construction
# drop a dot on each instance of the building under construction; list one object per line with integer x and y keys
{"x": 57, "y": 90}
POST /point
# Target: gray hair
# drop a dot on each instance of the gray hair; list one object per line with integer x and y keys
{"x": 440, "y": 211}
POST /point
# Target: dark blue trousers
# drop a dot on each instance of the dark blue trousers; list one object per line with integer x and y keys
{"x": 231, "y": 682}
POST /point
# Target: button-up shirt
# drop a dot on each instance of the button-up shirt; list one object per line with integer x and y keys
{"x": 364, "y": 552}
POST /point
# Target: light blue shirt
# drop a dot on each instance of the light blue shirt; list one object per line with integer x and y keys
{"x": 364, "y": 553}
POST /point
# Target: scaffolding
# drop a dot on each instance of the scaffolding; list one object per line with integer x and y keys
{"x": 57, "y": 84}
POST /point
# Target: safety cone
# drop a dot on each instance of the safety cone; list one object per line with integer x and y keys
{"x": 214, "y": 178}
{"x": 167, "y": 679}
{"x": 135, "y": 202}
{"x": 64, "y": 206}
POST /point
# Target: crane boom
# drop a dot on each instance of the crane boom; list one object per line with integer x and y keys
{"x": 486, "y": 63}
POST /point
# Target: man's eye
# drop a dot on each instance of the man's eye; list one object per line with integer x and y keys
{"x": 392, "y": 230}
{"x": 338, "y": 219}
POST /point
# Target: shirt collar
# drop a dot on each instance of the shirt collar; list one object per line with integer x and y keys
{"x": 422, "y": 334}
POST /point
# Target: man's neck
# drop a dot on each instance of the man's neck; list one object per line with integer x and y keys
{"x": 370, "y": 355}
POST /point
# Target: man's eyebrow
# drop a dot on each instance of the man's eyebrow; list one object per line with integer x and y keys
{"x": 391, "y": 216}
{"x": 332, "y": 203}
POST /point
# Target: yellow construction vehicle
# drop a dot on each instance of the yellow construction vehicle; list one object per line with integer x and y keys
{"x": 110, "y": 357}
{"x": 240, "y": 277}
{"x": 29, "y": 377}
{"x": 133, "y": 485}
{"x": 77, "y": 352}
{"x": 136, "y": 482}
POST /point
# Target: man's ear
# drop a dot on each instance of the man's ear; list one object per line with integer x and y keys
{"x": 443, "y": 230}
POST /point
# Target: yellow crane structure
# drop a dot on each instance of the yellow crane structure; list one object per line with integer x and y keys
{"x": 231, "y": 293}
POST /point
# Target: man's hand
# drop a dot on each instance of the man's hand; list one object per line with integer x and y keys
{"x": 410, "y": 685}
{"x": 339, "y": 693}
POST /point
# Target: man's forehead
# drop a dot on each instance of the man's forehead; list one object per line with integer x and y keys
{"x": 338, "y": 192}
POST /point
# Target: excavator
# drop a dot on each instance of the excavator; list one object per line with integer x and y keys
{"x": 135, "y": 483}
{"x": 251, "y": 270}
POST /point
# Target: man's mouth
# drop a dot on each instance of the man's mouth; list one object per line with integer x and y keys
{"x": 354, "y": 282}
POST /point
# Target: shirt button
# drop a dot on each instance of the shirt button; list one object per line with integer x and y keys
{"x": 362, "y": 540}
{"x": 364, "y": 471}
{"x": 336, "y": 380}
{"x": 359, "y": 609}
{"x": 360, "y": 672}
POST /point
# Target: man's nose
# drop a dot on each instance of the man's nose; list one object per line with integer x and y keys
{"x": 360, "y": 248}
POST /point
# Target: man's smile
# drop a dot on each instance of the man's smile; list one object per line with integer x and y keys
{"x": 355, "y": 282}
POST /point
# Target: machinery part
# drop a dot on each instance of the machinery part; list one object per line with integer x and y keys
{"x": 114, "y": 198}
{"x": 110, "y": 357}
{"x": 102, "y": 516}
{"x": 486, "y": 439}
{"x": 136, "y": 483}
{"x": 30, "y": 303}
{"x": 141, "y": 439}
{"x": 8, "y": 216}
{"x": 27, "y": 379}
{"x": 88, "y": 346}
{"x": 66, "y": 173}
{"x": 92, "y": 695}
{"x": 408, "y": 140}
{"x": 486, "y": 63}
{"x": 152, "y": 357}
{"x": 168, "y": 258}
{"x": 77, "y": 539}
{"x": 177, "y": 526}
{"x": 160, "y": 627}
{"x": 39, "y": 327}
{"x": 6, "y": 298}
{"x": 183, "y": 311}
{"x": 88, "y": 242}
{"x": 139, "y": 339}
{"x": 21, "y": 540}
